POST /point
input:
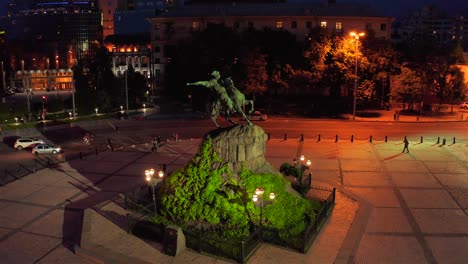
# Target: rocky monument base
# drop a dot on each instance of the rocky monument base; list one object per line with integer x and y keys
{"x": 242, "y": 145}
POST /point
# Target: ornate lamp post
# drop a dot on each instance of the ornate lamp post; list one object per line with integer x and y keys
{"x": 149, "y": 176}
{"x": 356, "y": 37}
{"x": 257, "y": 198}
{"x": 303, "y": 165}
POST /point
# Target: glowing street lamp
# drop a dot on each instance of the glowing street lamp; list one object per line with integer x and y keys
{"x": 356, "y": 37}
{"x": 302, "y": 166}
{"x": 257, "y": 198}
{"x": 96, "y": 110}
{"x": 149, "y": 176}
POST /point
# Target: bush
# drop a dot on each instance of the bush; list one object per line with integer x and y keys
{"x": 204, "y": 195}
{"x": 289, "y": 170}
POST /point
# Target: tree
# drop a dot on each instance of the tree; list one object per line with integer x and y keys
{"x": 408, "y": 87}
{"x": 256, "y": 75}
{"x": 455, "y": 85}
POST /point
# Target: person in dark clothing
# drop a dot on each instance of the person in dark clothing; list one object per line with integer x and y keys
{"x": 155, "y": 145}
{"x": 109, "y": 144}
{"x": 406, "y": 146}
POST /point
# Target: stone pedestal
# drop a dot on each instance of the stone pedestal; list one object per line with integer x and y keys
{"x": 242, "y": 145}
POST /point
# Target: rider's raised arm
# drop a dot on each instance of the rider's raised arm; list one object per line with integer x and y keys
{"x": 203, "y": 83}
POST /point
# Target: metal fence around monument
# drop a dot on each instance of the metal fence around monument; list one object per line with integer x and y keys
{"x": 240, "y": 251}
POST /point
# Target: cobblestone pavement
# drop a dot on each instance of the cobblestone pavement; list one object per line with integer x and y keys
{"x": 391, "y": 207}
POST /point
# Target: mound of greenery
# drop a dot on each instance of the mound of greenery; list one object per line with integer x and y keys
{"x": 203, "y": 194}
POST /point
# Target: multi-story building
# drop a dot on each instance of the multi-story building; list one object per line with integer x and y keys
{"x": 46, "y": 38}
{"x": 432, "y": 24}
{"x": 130, "y": 50}
{"x": 179, "y": 22}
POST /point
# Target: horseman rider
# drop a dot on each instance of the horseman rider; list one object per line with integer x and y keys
{"x": 219, "y": 90}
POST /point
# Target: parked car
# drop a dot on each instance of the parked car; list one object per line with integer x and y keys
{"x": 464, "y": 105}
{"x": 257, "y": 116}
{"x": 27, "y": 142}
{"x": 45, "y": 149}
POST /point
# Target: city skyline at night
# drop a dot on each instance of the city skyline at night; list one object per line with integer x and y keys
{"x": 395, "y": 8}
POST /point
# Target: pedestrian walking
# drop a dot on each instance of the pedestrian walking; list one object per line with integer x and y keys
{"x": 158, "y": 140}
{"x": 155, "y": 145}
{"x": 177, "y": 137}
{"x": 116, "y": 129}
{"x": 406, "y": 146}
{"x": 109, "y": 144}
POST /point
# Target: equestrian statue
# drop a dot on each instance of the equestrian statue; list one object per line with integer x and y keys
{"x": 224, "y": 101}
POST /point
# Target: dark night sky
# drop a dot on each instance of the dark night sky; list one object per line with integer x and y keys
{"x": 388, "y": 7}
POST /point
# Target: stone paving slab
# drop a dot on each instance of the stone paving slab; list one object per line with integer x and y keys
{"x": 453, "y": 180}
{"x": 390, "y": 249}
{"x": 449, "y": 250}
{"x": 379, "y": 221}
{"x": 32, "y": 246}
{"x": 416, "y": 180}
{"x": 16, "y": 214}
{"x": 441, "y": 221}
{"x": 428, "y": 199}
{"x": 365, "y": 178}
{"x": 378, "y": 197}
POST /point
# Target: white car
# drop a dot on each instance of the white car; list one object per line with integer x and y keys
{"x": 45, "y": 149}
{"x": 27, "y": 142}
{"x": 257, "y": 116}
{"x": 464, "y": 105}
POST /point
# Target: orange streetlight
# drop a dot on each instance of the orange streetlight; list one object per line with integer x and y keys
{"x": 356, "y": 37}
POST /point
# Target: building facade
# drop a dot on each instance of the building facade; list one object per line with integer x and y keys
{"x": 46, "y": 38}
{"x": 130, "y": 51}
{"x": 432, "y": 24}
{"x": 179, "y": 22}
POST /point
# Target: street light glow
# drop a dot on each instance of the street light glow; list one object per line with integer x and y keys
{"x": 259, "y": 191}
{"x": 272, "y": 196}
{"x": 356, "y": 37}
{"x": 255, "y": 198}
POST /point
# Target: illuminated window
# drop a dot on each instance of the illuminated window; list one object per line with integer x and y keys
{"x": 195, "y": 25}
{"x": 323, "y": 24}
{"x": 279, "y": 24}
{"x": 294, "y": 24}
{"x": 308, "y": 24}
{"x": 338, "y": 26}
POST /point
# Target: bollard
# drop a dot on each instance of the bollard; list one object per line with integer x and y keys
{"x": 438, "y": 140}
{"x": 453, "y": 140}
{"x": 310, "y": 179}
{"x": 302, "y": 137}
{"x": 461, "y": 118}
{"x": 81, "y": 155}
{"x": 352, "y": 138}
{"x": 318, "y": 139}
{"x": 370, "y": 139}
{"x": 336, "y": 138}
{"x": 443, "y": 141}
{"x": 285, "y": 136}
{"x": 421, "y": 139}
{"x": 386, "y": 139}
{"x": 269, "y": 136}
